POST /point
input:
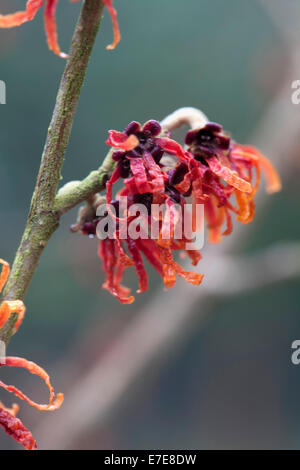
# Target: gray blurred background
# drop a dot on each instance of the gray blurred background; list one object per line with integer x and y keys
{"x": 221, "y": 378}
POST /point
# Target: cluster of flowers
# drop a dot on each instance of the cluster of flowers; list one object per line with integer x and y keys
{"x": 210, "y": 170}
{"x": 32, "y": 6}
{"x": 8, "y": 416}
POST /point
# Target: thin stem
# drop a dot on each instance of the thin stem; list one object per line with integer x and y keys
{"x": 43, "y": 219}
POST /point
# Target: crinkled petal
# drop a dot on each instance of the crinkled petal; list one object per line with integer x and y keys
{"x": 229, "y": 225}
{"x": 169, "y": 274}
{"x": 243, "y": 204}
{"x": 14, "y": 427}
{"x": 171, "y": 146}
{"x": 139, "y": 265}
{"x": 151, "y": 252}
{"x": 274, "y": 184}
{"x": 54, "y": 402}
{"x": 113, "y": 278}
{"x": 139, "y": 172}
{"x": 50, "y": 27}
{"x": 215, "y": 219}
{"x": 249, "y": 152}
{"x": 228, "y": 175}
{"x": 113, "y": 14}
{"x": 192, "y": 278}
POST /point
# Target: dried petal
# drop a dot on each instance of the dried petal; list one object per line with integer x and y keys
{"x": 139, "y": 266}
{"x": 54, "y": 402}
{"x": 15, "y": 428}
{"x": 228, "y": 175}
{"x": 50, "y": 27}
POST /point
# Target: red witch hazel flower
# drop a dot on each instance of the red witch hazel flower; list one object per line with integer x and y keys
{"x": 219, "y": 168}
{"x": 139, "y": 163}
{"x": 8, "y": 420}
{"x": 32, "y": 6}
{"x": 211, "y": 171}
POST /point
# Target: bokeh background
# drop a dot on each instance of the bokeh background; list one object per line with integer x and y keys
{"x": 221, "y": 377}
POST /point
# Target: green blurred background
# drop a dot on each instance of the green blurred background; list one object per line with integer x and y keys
{"x": 229, "y": 382}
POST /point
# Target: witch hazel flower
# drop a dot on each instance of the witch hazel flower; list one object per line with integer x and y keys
{"x": 32, "y": 6}
{"x": 140, "y": 167}
{"x": 211, "y": 170}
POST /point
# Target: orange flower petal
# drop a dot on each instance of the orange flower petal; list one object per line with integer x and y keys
{"x": 192, "y": 278}
{"x": 274, "y": 184}
{"x": 54, "y": 403}
{"x": 243, "y": 204}
{"x": 12, "y": 306}
{"x": 228, "y": 175}
{"x": 20, "y": 17}
{"x": 215, "y": 219}
{"x": 50, "y": 28}
{"x": 273, "y": 179}
{"x": 229, "y": 226}
{"x": 113, "y": 278}
{"x": 150, "y": 251}
{"x": 168, "y": 268}
{"x": 173, "y": 147}
{"x": 113, "y": 13}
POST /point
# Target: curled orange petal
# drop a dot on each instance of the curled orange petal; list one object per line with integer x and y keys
{"x": 228, "y": 175}
{"x": 54, "y": 402}
{"x": 114, "y": 266}
{"x": 50, "y": 28}
{"x": 243, "y": 204}
{"x": 192, "y": 278}
{"x": 113, "y": 14}
{"x": 169, "y": 275}
{"x": 215, "y": 217}
{"x": 274, "y": 184}
{"x": 229, "y": 225}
